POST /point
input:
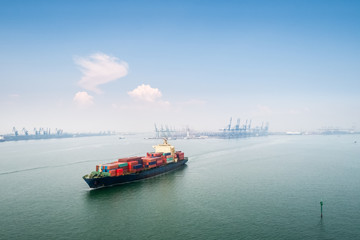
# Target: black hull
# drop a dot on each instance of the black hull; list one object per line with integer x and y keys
{"x": 109, "y": 181}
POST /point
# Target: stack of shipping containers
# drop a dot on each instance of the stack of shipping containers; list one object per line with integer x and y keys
{"x": 137, "y": 164}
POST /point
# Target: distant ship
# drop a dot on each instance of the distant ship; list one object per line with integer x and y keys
{"x": 293, "y": 133}
{"x": 126, "y": 170}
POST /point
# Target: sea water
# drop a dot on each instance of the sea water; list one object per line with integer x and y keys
{"x": 249, "y": 188}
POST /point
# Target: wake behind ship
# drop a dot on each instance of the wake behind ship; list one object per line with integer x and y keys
{"x": 126, "y": 170}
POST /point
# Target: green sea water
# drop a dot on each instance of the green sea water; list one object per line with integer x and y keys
{"x": 253, "y": 188}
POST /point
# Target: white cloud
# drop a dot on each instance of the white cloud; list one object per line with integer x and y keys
{"x": 146, "y": 93}
{"x": 83, "y": 99}
{"x": 99, "y": 69}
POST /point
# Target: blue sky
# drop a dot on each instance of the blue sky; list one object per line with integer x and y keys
{"x": 294, "y": 64}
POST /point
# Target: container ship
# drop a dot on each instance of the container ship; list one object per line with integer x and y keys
{"x": 126, "y": 170}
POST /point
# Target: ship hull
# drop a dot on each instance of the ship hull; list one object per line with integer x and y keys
{"x": 110, "y": 181}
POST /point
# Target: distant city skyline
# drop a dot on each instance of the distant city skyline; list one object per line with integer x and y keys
{"x": 125, "y": 65}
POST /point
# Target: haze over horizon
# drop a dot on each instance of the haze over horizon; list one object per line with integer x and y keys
{"x": 125, "y": 65}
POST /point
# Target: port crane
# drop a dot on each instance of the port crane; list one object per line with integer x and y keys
{"x": 58, "y": 131}
{"x": 157, "y": 131}
{"x": 15, "y": 131}
{"x": 26, "y": 132}
{"x": 237, "y": 126}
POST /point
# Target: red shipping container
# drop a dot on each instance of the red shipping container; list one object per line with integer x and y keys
{"x": 180, "y": 155}
{"x": 159, "y": 162}
{"x": 131, "y": 170}
{"x": 97, "y": 168}
{"x": 124, "y": 167}
{"x": 157, "y": 154}
{"x": 112, "y": 173}
{"x": 148, "y": 159}
{"x": 113, "y": 166}
{"x": 129, "y": 159}
{"x": 119, "y": 172}
{"x": 152, "y": 154}
{"x": 145, "y": 163}
{"x": 131, "y": 164}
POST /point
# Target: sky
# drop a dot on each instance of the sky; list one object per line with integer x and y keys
{"x": 87, "y": 66}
